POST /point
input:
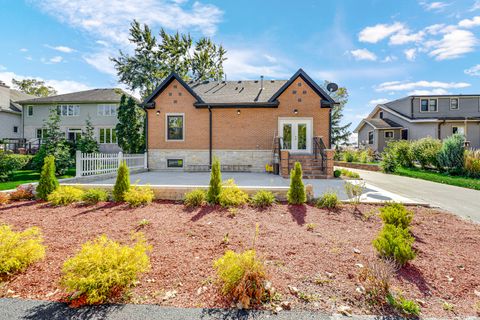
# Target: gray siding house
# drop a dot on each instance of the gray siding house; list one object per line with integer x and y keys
{"x": 98, "y": 105}
{"x": 416, "y": 117}
{"x": 11, "y": 112}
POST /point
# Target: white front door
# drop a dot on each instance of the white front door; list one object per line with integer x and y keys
{"x": 296, "y": 134}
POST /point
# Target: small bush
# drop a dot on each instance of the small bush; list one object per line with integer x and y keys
{"x": 93, "y": 196}
{"x": 18, "y": 250}
{"x": 395, "y": 243}
{"x": 138, "y": 196}
{"x": 311, "y": 226}
{"x": 242, "y": 276}
{"x": 337, "y": 173}
{"x": 328, "y": 200}
{"x": 349, "y": 156}
{"x": 375, "y": 277}
{"x": 4, "y": 198}
{"x": 425, "y": 151}
{"x": 365, "y": 156}
{"x": 10, "y": 162}
{"x": 65, "y": 195}
{"x": 389, "y": 161}
{"x": 263, "y": 199}
{"x": 396, "y": 214}
{"x": 354, "y": 191}
{"x": 296, "y": 193}
{"x": 122, "y": 184}
{"x": 472, "y": 163}
{"x": 48, "y": 182}
{"x": 451, "y": 155}
{"x": 403, "y": 306}
{"x": 195, "y": 198}
{"x": 215, "y": 186}
{"x": 349, "y": 174}
{"x": 23, "y": 193}
{"x": 403, "y": 152}
{"x": 231, "y": 195}
{"x": 103, "y": 268}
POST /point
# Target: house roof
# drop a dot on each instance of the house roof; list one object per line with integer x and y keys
{"x": 378, "y": 124}
{"x": 94, "y": 95}
{"x": 248, "y": 93}
{"x": 15, "y": 96}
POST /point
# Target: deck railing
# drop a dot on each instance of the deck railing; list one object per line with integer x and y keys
{"x": 89, "y": 164}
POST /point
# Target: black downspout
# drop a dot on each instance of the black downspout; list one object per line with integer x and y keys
{"x": 146, "y": 134}
{"x": 210, "y": 134}
{"x": 330, "y": 129}
{"x": 411, "y": 108}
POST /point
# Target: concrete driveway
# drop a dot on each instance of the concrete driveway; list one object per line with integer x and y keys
{"x": 460, "y": 201}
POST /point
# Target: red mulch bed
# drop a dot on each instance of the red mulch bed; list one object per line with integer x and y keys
{"x": 185, "y": 243}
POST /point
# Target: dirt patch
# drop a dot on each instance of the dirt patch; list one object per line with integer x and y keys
{"x": 320, "y": 263}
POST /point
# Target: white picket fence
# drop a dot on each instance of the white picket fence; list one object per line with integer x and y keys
{"x": 89, "y": 164}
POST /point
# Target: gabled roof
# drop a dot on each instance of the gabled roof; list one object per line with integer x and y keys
{"x": 378, "y": 124}
{"x": 14, "y": 106}
{"x": 108, "y": 95}
{"x": 164, "y": 85}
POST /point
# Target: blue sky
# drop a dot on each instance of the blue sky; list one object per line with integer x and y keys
{"x": 380, "y": 50}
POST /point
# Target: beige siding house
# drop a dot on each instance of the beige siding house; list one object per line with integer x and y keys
{"x": 11, "y": 126}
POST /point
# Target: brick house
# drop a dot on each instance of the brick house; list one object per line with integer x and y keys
{"x": 246, "y": 124}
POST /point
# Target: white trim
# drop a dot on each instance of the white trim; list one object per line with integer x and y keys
{"x": 166, "y": 127}
{"x": 428, "y": 106}
{"x": 388, "y": 131}
{"x": 458, "y": 103}
{"x": 459, "y": 127}
{"x": 28, "y": 109}
{"x": 373, "y": 137}
{"x": 295, "y": 121}
{"x": 111, "y": 135}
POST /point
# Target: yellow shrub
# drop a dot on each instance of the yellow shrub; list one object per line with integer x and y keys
{"x": 231, "y": 195}
{"x": 195, "y": 198}
{"x": 19, "y": 249}
{"x": 93, "y": 196}
{"x": 138, "y": 196}
{"x": 4, "y": 198}
{"x": 242, "y": 276}
{"x": 104, "y": 267}
{"x": 64, "y": 195}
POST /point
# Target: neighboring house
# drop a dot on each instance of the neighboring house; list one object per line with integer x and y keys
{"x": 11, "y": 112}
{"x": 236, "y": 121}
{"x": 98, "y": 105}
{"x": 416, "y": 117}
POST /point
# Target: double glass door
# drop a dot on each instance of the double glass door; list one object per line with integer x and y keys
{"x": 296, "y": 135}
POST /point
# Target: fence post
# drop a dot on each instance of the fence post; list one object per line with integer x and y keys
{"x": 145, "y": 160}
{"x": 120, "y": 158}
{"x": 78, "y": 164}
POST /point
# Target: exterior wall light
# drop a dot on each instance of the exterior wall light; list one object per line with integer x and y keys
{"x": 158, "y": 112}
{"x": 238, "y": 111}
{"x": 295, "y": 111}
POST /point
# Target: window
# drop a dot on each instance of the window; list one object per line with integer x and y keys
{"x": 15, "y": 129}
{"x": 454, "y": 104}
{"x": 41, "y": 133}
{"x": 428, "y": 105}
{"x": 458, "y": 129}
{"x": 404, "y": 134}
{"x": 30, "y": 111}
{"x": 174, "y": 163}
{"x": 380, "y": 114}
{"x": 370, "y": 137}
{"x": 175, "y": 128}
{"x": 107, "y": 110}
{"x": 108, "y": 135}
{"x": 68, "y": 110}
{"x": 74, "y": 134}
{"x": 388, "y": 134}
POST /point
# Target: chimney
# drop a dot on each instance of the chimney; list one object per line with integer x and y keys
{"x": 4, "y": 95}
{"x": 261, "y": 82}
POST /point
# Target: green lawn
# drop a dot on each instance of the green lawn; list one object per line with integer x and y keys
{"x": 458, "y": 181}
{"x": 26, "y": 176}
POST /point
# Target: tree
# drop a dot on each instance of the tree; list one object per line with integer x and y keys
{"x": 340, "y": 133}
{"x": 152, "y": 60}
{"x": 215, "y": 186}
{"x": 130, "y": 126}
{"x": 47, "y": 182}
{"x": 87, "y": 142}
{"x": 34, "y": 87}
{"x": 122, "y": 184}
{"x": 296, "y": 193}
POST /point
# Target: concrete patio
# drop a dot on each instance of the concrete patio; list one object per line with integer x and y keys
{"x": 371, "y": 194}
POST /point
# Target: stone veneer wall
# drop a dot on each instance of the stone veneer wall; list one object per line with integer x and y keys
{"x": 157, "y": 159}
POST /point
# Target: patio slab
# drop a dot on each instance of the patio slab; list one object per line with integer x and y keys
{"x": 372, "y": 194}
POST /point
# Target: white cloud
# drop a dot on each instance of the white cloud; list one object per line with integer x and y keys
{"x": 101, "y": 61}
{"x": 405, "y": 36}
{"x": 375, "y": 102}
{"x": 251, "y": 64}
{"x": 56, "y": 59}
{"x": 270, "y": 58}
{"x": 428, "y": 92}
{"x": 470, "y": 23}
{"x": 379, "y": 32}
{"x": 63, "y": 49}
{"x": 454, "y": 44}
{"x": 363, "y": 54}
{"x": 376, "y": 72}
{"x": 410, "y": 54}
{"x": 23, "y": 50}
{"x": 405, "y": 86}
{"x": 390, "y": 58}
{"x": 62, "y": 86}
{"x": 476, "y": 6}
{"x": 473, "y": 71}
{"x": 434, "y": 6}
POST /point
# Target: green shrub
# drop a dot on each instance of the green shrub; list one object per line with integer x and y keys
{"x": 138, "y": 196}
{"x": 404, "y": 306}
{"x": 48, "y": 182}
{"x": 215, "y": 186}
{"x": 349, "y": 174}
{"x": 23, "y": 192}
{"x": 472, "y": 163}
{"x": 231, "y": 195}
{"x": 354, "y": 191}
{"x": 195, "y": 198}
{"x": 328, "y": 200}
{"x": 337, "y": 173}
{"x": 65, "y": 195}
{"x": 242, "y": 276}
{"x": 403, "y": 153}
{"x": 395, "y": 243}
{"x": 122, "y": 184}
{"x": 104, "y": 267}
{"x": 93, "y": 196}
{"x": 19, "y": 249}
{"x": 389, "y": 161}
{"x": 10, "y": 162}
{"x": 396, "y": 214}
{"x": 263, "y": 199}
{"x": 451, "y": 156}
{"x": 296, "y": 193}
{"x": 349, "y": 156}
{"x": 425, "y": 151}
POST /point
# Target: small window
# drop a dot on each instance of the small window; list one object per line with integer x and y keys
{"x": 68, "y": 110}
{"x": 107, "y": 110}
{"x": 388, "y": 134}
{"x": 41, "y": 133}
{"x": 294, "y": 91}
{"x": 108, "y": 135}
{"x": 175, "y": 127}
{"x": 424, "y": 105}
{"x": 169, "y": 94}
{"x": 15, "y": 129}
{"x": 404, "y": 134}
{"x": 299, "y": 99}
{"x": 179, "y": 94}
{"x": 380, "y": 115}
{"x": 30, "y": 111}
{"x": 454, "y": 104}
{"x": 175, "y": 101}
{"x": 370, "y": 137}
{"x": 175, "y": 86}
{"x": 304, "y": 91}
{"x": 74, "y": 134}
{"x": 299, "y": 84}
{"x": 432, "y": 105}
{"x": 458, "y": 129}
{"x": 428, "y": 105}
{"x": 174, "y": 163}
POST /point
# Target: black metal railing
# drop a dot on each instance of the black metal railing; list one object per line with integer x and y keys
{"x": 20, "y": 145}
{"x": 319, "y": 150}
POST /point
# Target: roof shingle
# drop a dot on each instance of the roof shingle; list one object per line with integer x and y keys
{"x": 94, "y": 95}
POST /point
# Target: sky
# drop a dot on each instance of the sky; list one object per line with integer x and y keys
{"x": 380, "y": 50}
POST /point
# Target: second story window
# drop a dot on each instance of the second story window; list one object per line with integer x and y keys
{"x": 107, "y": 110}
{"x": 68, "y": 110}
{"x": 30, "y": 111}
{"x": 454, "y": 104}
{"x": 380, "y": 115}
{"x": 428, "y": 105}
